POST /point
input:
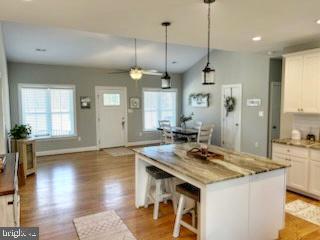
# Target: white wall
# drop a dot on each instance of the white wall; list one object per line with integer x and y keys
{"x": 4, "y": 97}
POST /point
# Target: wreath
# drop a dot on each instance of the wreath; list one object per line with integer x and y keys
{"x": 229, "y": 104}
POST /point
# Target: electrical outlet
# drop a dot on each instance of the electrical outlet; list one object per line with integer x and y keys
{"x": 256, "y": 144}
{"x": 140, "y": 134}
{"x": 79, "y": 139}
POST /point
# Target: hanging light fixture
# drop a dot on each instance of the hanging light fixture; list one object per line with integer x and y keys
{"x": 208, "y": 73}
{"x": 135, "y": 72}
{"x": 166, "y": 79}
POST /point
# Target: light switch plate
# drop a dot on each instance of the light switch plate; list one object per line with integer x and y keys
{"x": 261, "y": 113}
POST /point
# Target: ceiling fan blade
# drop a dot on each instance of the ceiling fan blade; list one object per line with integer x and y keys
{"x": 117, "y": 72}
{"x": 151, "y": 72}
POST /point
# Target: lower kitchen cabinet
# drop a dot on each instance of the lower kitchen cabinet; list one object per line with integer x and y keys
{"x": 314, "y": 177}
{"x": 304, "y": 174}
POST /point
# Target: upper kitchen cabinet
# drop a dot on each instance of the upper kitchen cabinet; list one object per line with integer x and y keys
{"x": 302, "y": 82}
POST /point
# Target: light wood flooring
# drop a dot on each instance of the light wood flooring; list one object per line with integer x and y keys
{"x": 74, "y": 185}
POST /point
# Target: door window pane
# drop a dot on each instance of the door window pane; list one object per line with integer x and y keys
{"x": 111, "y": 99}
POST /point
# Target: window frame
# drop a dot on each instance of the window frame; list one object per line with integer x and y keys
{"x": 158, "y": 90}
{"x": 51, "y": 86}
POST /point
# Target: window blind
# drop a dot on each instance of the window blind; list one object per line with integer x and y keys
{"x": 48, "y": 110}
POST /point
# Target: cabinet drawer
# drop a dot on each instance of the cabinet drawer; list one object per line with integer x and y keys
{"x": 315, "y": 155}
{"x": 290, "y": 150}
{"x": 280, "y": 157}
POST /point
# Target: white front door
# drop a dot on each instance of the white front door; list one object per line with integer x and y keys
{"x": 231, "y": 121}
{"x": 111, "y": 117}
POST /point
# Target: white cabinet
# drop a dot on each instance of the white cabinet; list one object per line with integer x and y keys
{"x": 304, "y": 174}
{"x": 298, "y": 177}
{"x": 315, "y": 177}
{"x": 302, "y": 82}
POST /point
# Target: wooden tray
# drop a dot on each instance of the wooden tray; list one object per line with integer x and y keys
{"x": 3, "y": 161}
{"x": 197, "y": 153}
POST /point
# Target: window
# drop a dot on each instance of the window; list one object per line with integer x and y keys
{"x": 159, "y": 105}
{"x": 111, "y": 99}
{"x": 49, "y": 110}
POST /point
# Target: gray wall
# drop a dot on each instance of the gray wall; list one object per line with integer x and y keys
{"x": 252, "y": 71}
{"x": 85, "y": 80}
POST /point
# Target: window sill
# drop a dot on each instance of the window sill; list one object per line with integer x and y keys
{"x": 62, "y": 138}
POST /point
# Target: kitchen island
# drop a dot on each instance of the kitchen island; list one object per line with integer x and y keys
{"x": 242, "y": 196}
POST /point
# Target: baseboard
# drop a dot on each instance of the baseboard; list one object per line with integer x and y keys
{"x": 130, "y": 144}
{"x": 67, "y": 150}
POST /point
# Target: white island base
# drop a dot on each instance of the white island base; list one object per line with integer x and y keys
{"x": 245, "y": 208}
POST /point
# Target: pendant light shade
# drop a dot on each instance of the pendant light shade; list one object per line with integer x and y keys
{"x": 166, "y": 79}
{"x": 208, "y": 73}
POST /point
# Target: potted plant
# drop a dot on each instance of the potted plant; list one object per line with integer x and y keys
{"x": 184, "y": 119}
{"x": 19, "y": 132}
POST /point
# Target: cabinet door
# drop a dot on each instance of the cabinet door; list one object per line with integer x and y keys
{"x": 310, "y": 83}
{"x": 282, "y": 158}
{"x": 292, "y": 83}
{"x": 314, "y": 186}
{"x": 298, "y": 173}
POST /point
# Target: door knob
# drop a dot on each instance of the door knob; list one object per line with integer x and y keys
{"x": 274, "y": 127}
{"x": 237, "y": 124}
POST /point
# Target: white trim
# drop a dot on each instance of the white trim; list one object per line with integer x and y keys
{"x": 140, "y": 143}
{"x": 51, "y": 86}
{"x": 158, "y": 90}
{"x": 314, "y": 50}
{"x": 101, "y": 88}
{"x": 67, "y": 150}
{"x": 222, "y": 107}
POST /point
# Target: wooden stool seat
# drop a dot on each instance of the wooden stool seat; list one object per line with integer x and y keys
{"x": 157, "y": 173}
{"x": 189, "y": 190}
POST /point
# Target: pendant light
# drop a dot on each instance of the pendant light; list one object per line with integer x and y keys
{"x": 208, "y": 73}
{"x": 166, "y": 79}
{"x": 135, "y": 72}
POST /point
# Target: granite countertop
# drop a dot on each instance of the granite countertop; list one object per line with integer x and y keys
{"x": 234, "y": 165}
{"x": 298, "y": 143}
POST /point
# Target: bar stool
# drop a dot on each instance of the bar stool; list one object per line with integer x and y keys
{"x": 189, "y": 191}
{"x": 164, "y": 189}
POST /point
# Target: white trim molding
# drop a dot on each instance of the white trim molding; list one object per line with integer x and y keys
{"x": 66, "y": 150}
{"x": 130, "y": 144}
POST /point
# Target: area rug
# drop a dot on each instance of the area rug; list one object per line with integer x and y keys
{"x": 304, "y": 210}
{"x": 119, "y": 151}
{"x": 102, "y": 226}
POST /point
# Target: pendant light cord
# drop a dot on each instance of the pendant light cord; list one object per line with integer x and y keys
{"x": 166, "y": 63}
{"x": 209, "y": 26}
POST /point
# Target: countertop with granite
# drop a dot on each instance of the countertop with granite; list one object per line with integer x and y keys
{"x": 234, "y": 165}
{"x": 298, "y": 143}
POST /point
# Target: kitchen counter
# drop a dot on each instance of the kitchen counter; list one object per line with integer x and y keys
{"x": 234, "y": 165}
{"x": 7, "y": 176}
{"x": 298, "y": 143}
{"x": 232, "y": 190}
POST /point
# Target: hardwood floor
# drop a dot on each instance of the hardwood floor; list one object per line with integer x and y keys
{"x": 73, "y": 185}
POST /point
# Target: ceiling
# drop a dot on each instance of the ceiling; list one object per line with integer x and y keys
{"x": 79, "y": 48}
{"x": 280, "y": 23}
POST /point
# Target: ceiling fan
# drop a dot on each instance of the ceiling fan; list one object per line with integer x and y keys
{"x": 137, "y": 72}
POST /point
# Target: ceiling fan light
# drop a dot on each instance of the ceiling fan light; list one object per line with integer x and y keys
{"x": 165, "y": 81}
{"x": 136, "y": 73}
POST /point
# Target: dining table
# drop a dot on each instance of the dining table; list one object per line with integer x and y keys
{"x": 188, "y": 133}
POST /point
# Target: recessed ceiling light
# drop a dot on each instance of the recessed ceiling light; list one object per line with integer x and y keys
{"x": 41, "y": 49}
{"x": 257, "y": 38}
{"x": 318, "y": 21}
{"x": 26, "y": 0}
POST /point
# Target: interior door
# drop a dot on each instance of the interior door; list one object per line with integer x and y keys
{"x": 231, "y": 122}
{"x": 111, "y": 117}
{"x": 275, "y": 111}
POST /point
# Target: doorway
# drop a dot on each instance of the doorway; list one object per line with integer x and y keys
{"x": 231, "y": 121}
{"x": 111, "y": 116}
{"x": 274, "y": 114}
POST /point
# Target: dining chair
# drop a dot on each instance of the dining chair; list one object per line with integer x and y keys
{"x": 168, "y": 135}
{"x": 205, "y": 134}
{"x": 163, "y": 124}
